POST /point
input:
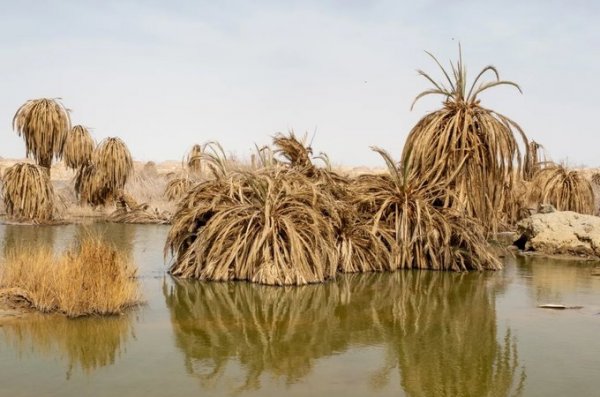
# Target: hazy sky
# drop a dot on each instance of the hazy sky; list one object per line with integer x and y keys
{"x": 164, "y": 75}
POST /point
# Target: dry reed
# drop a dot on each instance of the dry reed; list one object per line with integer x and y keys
{"x": 90, "y": 279}
{"x": 27, "y": 192}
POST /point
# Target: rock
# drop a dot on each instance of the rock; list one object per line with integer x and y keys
{"x": 560, "y": 233}
{"x": 546, "y": 209}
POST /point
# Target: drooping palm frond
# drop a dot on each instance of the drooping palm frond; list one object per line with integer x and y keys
{"x": 78, "y": 148}
{"x": 596, "y": 178}
{"x": 177, "y": 187}
{"x": 113, "y": 163}
{"x": 566, "y": 190}
{"x": 405, "y": 213}
{"x": 484, "y": 143}
{"x": 194, "y": 159}
{"x": 534, "y": 159}
{"x": 44, "y": 124}
{"x": 293, "y": 150}
{"x": 27, "y": 192}
{"x": 99, "y": 181}
{"x": 265, "y": 228}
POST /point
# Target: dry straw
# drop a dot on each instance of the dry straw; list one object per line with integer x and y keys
{"x": 44, "y": 124}
{"x": 92, "y": 278}
{"x": 464, "y": 134}
{"x": 566, "y": 190}
{"x": 27, "y": 192}
{"x": 78, "y": 148}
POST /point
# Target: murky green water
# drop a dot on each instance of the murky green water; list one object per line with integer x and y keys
{"x": 407, "y": 333}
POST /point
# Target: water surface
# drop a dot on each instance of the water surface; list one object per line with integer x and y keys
{"x": 406, "y": 333}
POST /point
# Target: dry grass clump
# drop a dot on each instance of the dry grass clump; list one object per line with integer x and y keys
{"x": 99, "y": 181}
{"x": 176, "y": 188}
{"x": 130, "y": 211}
{"x": 92, "y": 278}
{"x": 78, "y": 148}
{"x": 405, "y": 214}
{"x": 464, "y": 135}
{"x": 262, "y": 227}
{"x": 194, "y": 159}
{"x": 28, "y": 193}
{"x": 44, "y": 124}
{"x": 566, "y": 190}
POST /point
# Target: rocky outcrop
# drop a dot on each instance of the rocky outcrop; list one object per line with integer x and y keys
{"x": 560, "y": 233}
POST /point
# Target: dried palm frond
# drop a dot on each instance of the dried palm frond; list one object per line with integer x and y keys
{"x": 89, "y": 186}
{"x": 194, "y": 159}
{"x": 78, "y": 148}
{"x": 130, "y": 211}
{"x": 464, "y": 134}
{"x": 294, "y": 151}
{"x": 99, "y": 181}
{"x": 596, "y": 178}
{"x": 534, "y": 158}
{"x": 359, "y": 249}
{"x": 405, "y": 214}
{"x": 265, "y": 228}
{"x": 113, "y": 163}
{"x": 566, "y": 190}
{"x": 44, "y": 124}
{"x": 177, "y": 187}
{"x": 28, "y": 193}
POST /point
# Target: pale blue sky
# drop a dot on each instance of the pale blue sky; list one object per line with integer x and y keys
{"x": 164, "y": 75}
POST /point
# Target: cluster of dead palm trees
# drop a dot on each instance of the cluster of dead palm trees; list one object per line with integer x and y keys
{"x": 45, "y": 125}
{"x": 465, "y": 172}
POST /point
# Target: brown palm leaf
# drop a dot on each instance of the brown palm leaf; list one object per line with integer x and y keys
{"x": 177, "y": 187}
{"x": 113, "y": 163}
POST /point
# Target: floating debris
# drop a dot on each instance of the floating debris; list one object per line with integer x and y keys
{"x": 558, "y": 307}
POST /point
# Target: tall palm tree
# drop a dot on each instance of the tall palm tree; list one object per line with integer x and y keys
{"x": 465, "y": 134}
{"x": 44, "y": 124}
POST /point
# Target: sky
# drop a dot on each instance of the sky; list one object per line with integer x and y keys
{"x": 165, "y": 75}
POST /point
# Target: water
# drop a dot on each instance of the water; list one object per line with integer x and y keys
{"x": 406, "y": 333}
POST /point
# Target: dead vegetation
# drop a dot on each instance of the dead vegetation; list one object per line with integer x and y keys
{"x": 92, "y": 278}
{"x": 465, "y": 136}
{"x": 43, "y": 124}
{"x": 565, "y": 189}
{"x": 78, "y": 148}
{"x": 27, "y": 193}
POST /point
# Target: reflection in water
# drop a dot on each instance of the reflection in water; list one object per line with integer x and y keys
{"x": 85, "y": 343}
{"x": 438, "y": 329}
{"x": 22, "y": 236}
{"x": 58, "y": 238}
{"x": 553, "y": 280}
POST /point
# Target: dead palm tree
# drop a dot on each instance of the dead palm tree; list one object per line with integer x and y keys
{"x": 27, "y": 192}
{"x": 44, "y": 124}
{"x": 465, "y": 134}
{"x": 100, "y": 180}
{"x": 566, "y": 190}
{"x": 78, "y": 148}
